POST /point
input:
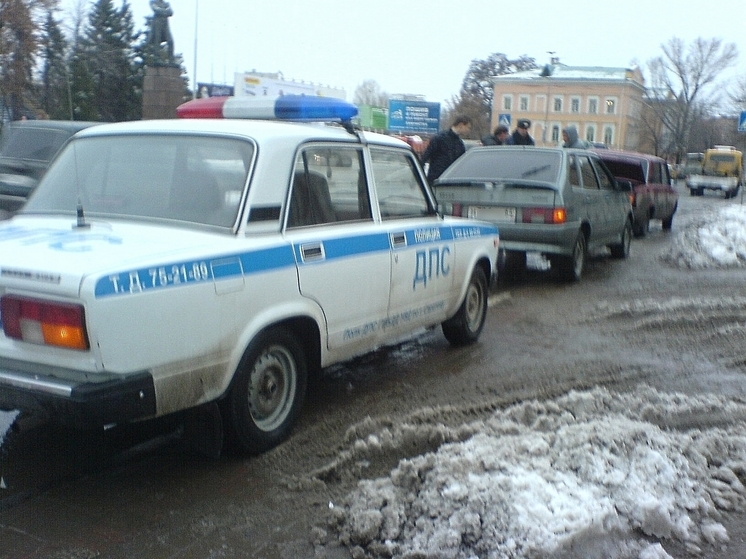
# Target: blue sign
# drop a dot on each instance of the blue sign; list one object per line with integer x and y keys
{"x": 742, "y": 122}
{"x": 504, "y": 120}
{"x": 414, "y": 116}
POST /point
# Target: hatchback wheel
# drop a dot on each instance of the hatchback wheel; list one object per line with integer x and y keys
{"x": 570, "y": 268}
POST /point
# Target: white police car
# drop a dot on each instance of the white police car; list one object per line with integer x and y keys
{"x": 161, "y": 265}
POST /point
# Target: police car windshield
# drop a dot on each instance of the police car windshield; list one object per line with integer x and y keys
{"x": 188, "y": 178}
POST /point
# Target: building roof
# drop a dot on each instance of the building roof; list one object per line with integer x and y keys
{"x": 576, "y": 73}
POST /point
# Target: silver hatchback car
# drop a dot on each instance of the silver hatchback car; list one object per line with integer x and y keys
{"x": 555, "y": 201}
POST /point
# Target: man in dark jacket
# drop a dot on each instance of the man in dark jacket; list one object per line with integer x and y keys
{"x": 446, "y": 147}
{"x": 498, "y": 138}
{"x": 521, "y": 137}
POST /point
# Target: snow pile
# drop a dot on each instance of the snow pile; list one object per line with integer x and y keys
{"x": 718, "y": 240}
{"x": 585, "y": 475}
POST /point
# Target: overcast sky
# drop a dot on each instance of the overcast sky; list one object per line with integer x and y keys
{"x": 425, "y": 46}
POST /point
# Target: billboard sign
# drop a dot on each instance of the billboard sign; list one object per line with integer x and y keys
{"x": 257, "y": 85}
{"x": 213, "y": 90}
{"x": 414, "y": 116}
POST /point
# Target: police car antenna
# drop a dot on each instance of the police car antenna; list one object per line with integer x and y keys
{"x": 81, "y": 222}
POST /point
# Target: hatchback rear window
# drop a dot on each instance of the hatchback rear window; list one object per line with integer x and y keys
{"x": 490, "y": 165}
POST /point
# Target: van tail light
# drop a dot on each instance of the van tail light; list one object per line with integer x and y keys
{"x": 544, "y": 215}
{"x": 632, "y": 199}
{"x": 44, "y": 322}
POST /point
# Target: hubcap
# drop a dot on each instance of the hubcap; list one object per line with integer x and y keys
{"x": 272, "y": 388}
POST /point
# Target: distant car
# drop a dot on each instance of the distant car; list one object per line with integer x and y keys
{"x": 653, "y": 195}
{"x": 26, "y": 149}
{"x": 163, "y": 265}
{"x": 555, "y": 201}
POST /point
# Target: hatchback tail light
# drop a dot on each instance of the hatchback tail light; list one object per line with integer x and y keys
{"x": 44, "y": 322}
{"x": 544, "y": 215}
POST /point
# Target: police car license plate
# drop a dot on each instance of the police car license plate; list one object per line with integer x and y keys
{"x": 493, "y": 213}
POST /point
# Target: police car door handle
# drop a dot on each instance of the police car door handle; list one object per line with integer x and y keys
{"x": 312, "y": 251}
{"x": 398, "y": 239}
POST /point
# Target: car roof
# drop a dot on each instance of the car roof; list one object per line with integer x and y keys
{"x": 623, "y": 155}
{"x": 259, "y": 130}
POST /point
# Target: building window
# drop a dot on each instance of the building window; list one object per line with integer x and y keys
{"x": 557, "y": 105}
{"x": 524, "y": 102}
{"x": 555, "y": 134}
{"x": 608, "y": 135}
{"x": 541, "y": 102}
{"x": 508, "y": 103}
{"x": 575, "y": 105}
{"x": 593, "y": 106}
{"x": 610, "y": 106}
{"x": 590, "y": 133}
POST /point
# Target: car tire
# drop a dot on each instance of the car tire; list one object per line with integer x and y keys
{"x": 668, "y": 222}
{"x": 621, "y": 249}
{"x": 267, "y": 392}
{"x": 465, "y": 326}
{"x": 641, "y": 228}
{"x": 570, "y": 268}
{"x": 513, "y": 264}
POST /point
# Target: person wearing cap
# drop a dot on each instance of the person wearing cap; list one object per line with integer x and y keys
{"x": 446, "y": 147}
{"x": 521, "y": 137}
{"x": 498, "y": 138}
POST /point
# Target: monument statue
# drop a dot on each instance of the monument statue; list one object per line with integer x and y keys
{"x": 160, "y": 31}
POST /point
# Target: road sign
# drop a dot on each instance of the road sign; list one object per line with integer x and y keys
{"x": 504, "y": 120}
{"x": 742, "y": 122}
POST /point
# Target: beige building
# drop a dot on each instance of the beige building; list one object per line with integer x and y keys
{"x": 604, "y": 104}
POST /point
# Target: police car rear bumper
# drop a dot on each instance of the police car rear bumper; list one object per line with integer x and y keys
{"x": 79, "y": 398}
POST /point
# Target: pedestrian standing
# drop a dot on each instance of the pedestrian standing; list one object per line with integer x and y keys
{"x": 498, "y": 138}
{"x": 520, "y": 136}
{"x": 446, "y": 147}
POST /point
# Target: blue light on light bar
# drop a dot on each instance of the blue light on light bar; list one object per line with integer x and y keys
{"x": 286, "y": 107}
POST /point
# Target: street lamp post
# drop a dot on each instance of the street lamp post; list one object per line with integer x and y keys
{"x": 546, "y": 72}
{"x": 194, "y": 73}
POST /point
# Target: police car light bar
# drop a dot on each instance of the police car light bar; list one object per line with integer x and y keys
{"x": 285, "y": 107}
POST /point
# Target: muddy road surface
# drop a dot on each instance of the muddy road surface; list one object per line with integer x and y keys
{"x": 153, "y": 491}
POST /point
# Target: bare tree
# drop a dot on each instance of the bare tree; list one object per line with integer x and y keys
{"x": 370, "y": 93}
{"x": 477, "y": 90}
{"x": 681, "y": 84}
{"x": 20, "y": 21}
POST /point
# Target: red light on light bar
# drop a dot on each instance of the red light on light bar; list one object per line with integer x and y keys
{"x": 209, "y": 107}
{"x": 42, "y": 322}
{"x": 285, "y": 107}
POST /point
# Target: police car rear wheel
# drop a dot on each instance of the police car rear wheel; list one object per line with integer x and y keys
{"x": 267, "y": 392}
{"x": 466, "y": 325}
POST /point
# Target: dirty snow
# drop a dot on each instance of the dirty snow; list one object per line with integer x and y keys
{"x": 718, "y": 240}
{"x": 591, "y": 474}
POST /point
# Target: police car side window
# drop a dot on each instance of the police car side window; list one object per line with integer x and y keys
{"x": 328, "y": 187}
{"x": 398, "y": 186}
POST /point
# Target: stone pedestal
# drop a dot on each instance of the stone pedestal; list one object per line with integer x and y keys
{"x": 163, "y": 91}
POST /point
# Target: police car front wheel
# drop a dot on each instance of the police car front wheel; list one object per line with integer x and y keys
{"x": 267, "y": 392}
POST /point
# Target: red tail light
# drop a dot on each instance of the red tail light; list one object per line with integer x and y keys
{"x": 457, "y": 210}
{"x": 43, "y": 322}
{"x": 544, "y": 215}
{"x": 632, "y": 199}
